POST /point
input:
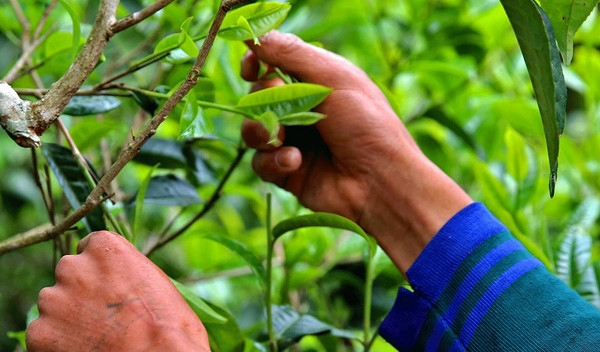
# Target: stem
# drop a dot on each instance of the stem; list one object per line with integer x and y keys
{"x": 38, "y": 183}
{"x": 204, "y": 104}
{"x": 89, "y": 176}
{"x": 127, "y": 72}
{"x": 367, "y": 305}
{"x": 269, "y": 269}
{"x": 139, "y": 16}
{"x": 214, "y": 198}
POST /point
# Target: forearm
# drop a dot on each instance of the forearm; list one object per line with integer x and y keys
{"x": 410, "y": 200}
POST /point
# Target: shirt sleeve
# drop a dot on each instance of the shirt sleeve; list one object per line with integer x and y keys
{"x": 476, "y": 288}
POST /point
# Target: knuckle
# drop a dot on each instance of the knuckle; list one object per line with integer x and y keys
{"x": 286, "y": 45}
{"x": 106, "y": 239}
{"x": 45, "y": 299}
{"x": 65, "y": 267}
{"x": 34, "y": 335}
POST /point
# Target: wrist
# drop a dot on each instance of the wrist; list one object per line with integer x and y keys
{"x": 410, "y": 200}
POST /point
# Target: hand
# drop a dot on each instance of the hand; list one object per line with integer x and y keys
{"x": 359, "y": 162}
{"x": 110, "y": 297}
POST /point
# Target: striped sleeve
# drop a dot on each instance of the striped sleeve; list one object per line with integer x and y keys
{"x": 476, "y": 288}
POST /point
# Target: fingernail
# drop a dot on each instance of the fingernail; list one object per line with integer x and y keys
{"x": 283, "y": 159}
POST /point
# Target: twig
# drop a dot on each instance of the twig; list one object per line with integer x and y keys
{"x": 127, "y": 154}
{"x": 24, "y": 23}
{"x": 38, "y": 183}
{"x": 85, "y": 92}
{"x": 127, "y": 72}
{"x": 87, "y": 172}
{"x": 214, "y": 198}
{"x": 13, "y": 74}
{"x": 139, "y": 16}
{"x": 49, "y": 188}
{"x": 43, "y": 19}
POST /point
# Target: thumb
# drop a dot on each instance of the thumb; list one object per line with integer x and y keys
{"x": 305, "y": 61}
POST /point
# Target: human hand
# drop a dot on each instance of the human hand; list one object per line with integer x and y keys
{"x": 359, "y": 162}
{"x": 110, "y": 297}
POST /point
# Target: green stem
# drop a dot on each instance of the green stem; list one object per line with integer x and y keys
{"x": 269, "y": 288}
{"x": 204, "y": 104}
{"x": 367, "y": 305}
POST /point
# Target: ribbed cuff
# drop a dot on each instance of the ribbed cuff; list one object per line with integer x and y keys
{"x": 433, "y": 269}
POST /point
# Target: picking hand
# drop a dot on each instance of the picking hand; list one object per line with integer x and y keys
{"x": 359, "y": 162}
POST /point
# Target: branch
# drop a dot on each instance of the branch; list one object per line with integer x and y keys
{"x": 139, "y": 16}
{"x": 26, "y": 127}
{"x": 128, "y": 153}
{"x": 13, "y": 74}
{"x": 207, "y": 206}
{"x": 85, "y": 92}
{"x": 23, "y": 21}
{"x": 44, "y": 18}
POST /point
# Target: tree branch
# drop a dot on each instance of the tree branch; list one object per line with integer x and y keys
{"x": 23, "y": 21}
{"x": 44, "y": 18}
{"x": 139, "y": 16}
{"x": 216, "y": 195}
{"x": 26, "y": 127}
{"x": 13, "y": 74}
{"x": 128, "y": 153}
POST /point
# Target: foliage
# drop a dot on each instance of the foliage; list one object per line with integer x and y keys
{"x": 454, "y": 71}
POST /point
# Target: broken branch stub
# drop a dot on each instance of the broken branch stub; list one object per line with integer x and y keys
{"x": 16, "y": 117}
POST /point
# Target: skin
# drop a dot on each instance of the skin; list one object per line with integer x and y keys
{"x": 360, "y": 162}
{"x": 110, "y": 297}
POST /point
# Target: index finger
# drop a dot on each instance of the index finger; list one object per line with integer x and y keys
{"x": 307, "y": 62}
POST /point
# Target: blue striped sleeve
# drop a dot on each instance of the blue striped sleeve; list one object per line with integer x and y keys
{"x": 476, "y": 288}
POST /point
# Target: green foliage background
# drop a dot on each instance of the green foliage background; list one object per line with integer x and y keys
{"x": 451, "y": 68}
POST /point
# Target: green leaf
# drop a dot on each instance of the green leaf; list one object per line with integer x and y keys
{"x": 88, "y": 133}
{"x": 567, "y": 16}
{"x": 73, "y": 182}
{"x": 91, "y": 105}
{"x": 285, "y": 100}
{"x": 188, "y": 45}
{"x": 573, "y": 264}
{"x": 139, "y": 203}
{"x": 326, "y": 220}
{"x": 193, "y": 123}
{"x": 170, "y": 42}
{"x": 171, "y": 190}
{"x": 226, "y": 337}
{"x": 301, "y": 118}
{"x": 59, "y": 42}
{"x": 32, "y": 314}
{"x": 586, "y": 214}
{"x": 516, "y": 155}
{"x": 164, "y": 47}
{"x": 440, "y": 116}
{"x": 169, "y": 154}
{"x": 536, "y": 39}
{"x": 205, "y": 312}
{"x": 245, "y": 253}
{"x": 76, "y": 25}
{"x": 261, "y": 17}
{"x": 291, "y": 326}
{"x": 269, "y": 120}
{"x": 149, "y": 104}
{"x": 243, "y": 23}
{"x": 185, "y": 26}
{"x": 19, "y": 336}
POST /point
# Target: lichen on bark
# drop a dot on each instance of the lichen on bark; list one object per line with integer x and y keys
{"x": 16, "y": 116}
